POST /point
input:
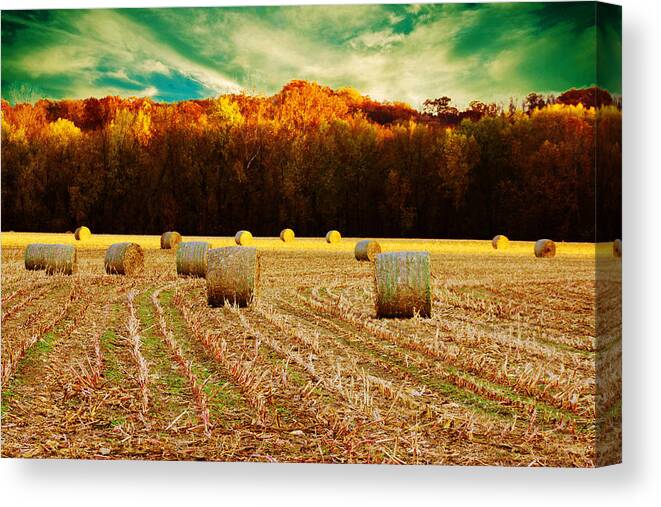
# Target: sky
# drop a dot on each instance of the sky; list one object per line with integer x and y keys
{"x": 408, "y": 53}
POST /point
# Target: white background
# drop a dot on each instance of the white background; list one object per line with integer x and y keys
{"x": 636, "y": 482}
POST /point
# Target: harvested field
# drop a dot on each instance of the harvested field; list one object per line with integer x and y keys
{"x": 503, "y": 373}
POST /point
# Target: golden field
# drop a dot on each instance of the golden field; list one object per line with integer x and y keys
{"x": 503, "y": 373}
{"x": 434, "y": 246}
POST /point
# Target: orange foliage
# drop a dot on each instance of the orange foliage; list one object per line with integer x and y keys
{"x": 314, "y": 158}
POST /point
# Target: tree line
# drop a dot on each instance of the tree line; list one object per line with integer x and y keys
{"x": 313, "y": 158}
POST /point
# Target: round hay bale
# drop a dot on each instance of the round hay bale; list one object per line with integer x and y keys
{"x": 617, "y": 248}
{"x": 124, "y": 259}
{"x": 333, "y": 237}
{"x": 403, "y": 284}
{"x": 35, "y": 256}
{"x": 366, "y": 250}
{"x": 287, "y": 235}
{"x": 61, "y": 259}
{"x": 232, "y": 275}
{"x": 544, "y": 248}
{"x": 243, "y": 238}
{"x": 82, "y": 233}
{"x": 501, "y": 242}
{"x": 192, "y": 258}
{"x": 170, "y": 240}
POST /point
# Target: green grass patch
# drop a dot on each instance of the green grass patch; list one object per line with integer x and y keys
{"x": 221, "y": 393}
{"x": 476, "y": 292}
{"x": 158, "y": 356}
{"x": 295, "y": 376}
{"x": 456, "y": 393}
{"x": 111, "y": 370}
{"x": 564, "y": 347}
{"x": 284, "y": 412}
{"x": 118, "y": 421}
{"x": 460, "y": 394}
{"x": 7, "y": 394}
{"x": 34, "y": 354}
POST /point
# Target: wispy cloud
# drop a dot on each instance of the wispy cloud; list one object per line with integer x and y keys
{"x": 391, "y": 52}
{"x": 378, "y": 40}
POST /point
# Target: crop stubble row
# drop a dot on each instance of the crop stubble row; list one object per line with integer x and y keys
{"x": 315, "y": 378}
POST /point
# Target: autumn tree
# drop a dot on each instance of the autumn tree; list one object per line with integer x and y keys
{"x": 534, "y": 101}
{"x": 314, "y": 158}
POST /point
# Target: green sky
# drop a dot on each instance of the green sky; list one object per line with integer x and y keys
{"x": 390, "y": 52}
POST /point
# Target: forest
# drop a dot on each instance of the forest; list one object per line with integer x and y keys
{"x": 313, "y": 158}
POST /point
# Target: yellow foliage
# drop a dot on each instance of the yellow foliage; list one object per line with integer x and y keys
{"x": 578, "y": 110}
{"x": 63, "y": 132}
{"x": 226, "y": 111}
{"x": 136, "y": 125}
{"x": 351, "y": 93}
{"x": 142, "y": 126}
{"x": 13, "y": 134}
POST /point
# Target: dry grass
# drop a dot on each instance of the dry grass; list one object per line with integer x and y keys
{"x": 308, "y": 244}
{"x": 503, "y": 373}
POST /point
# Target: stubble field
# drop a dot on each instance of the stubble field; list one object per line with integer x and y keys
{"x": 112, "y": 367}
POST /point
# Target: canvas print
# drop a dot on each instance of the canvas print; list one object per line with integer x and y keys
{"x": 385, "y": 234}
